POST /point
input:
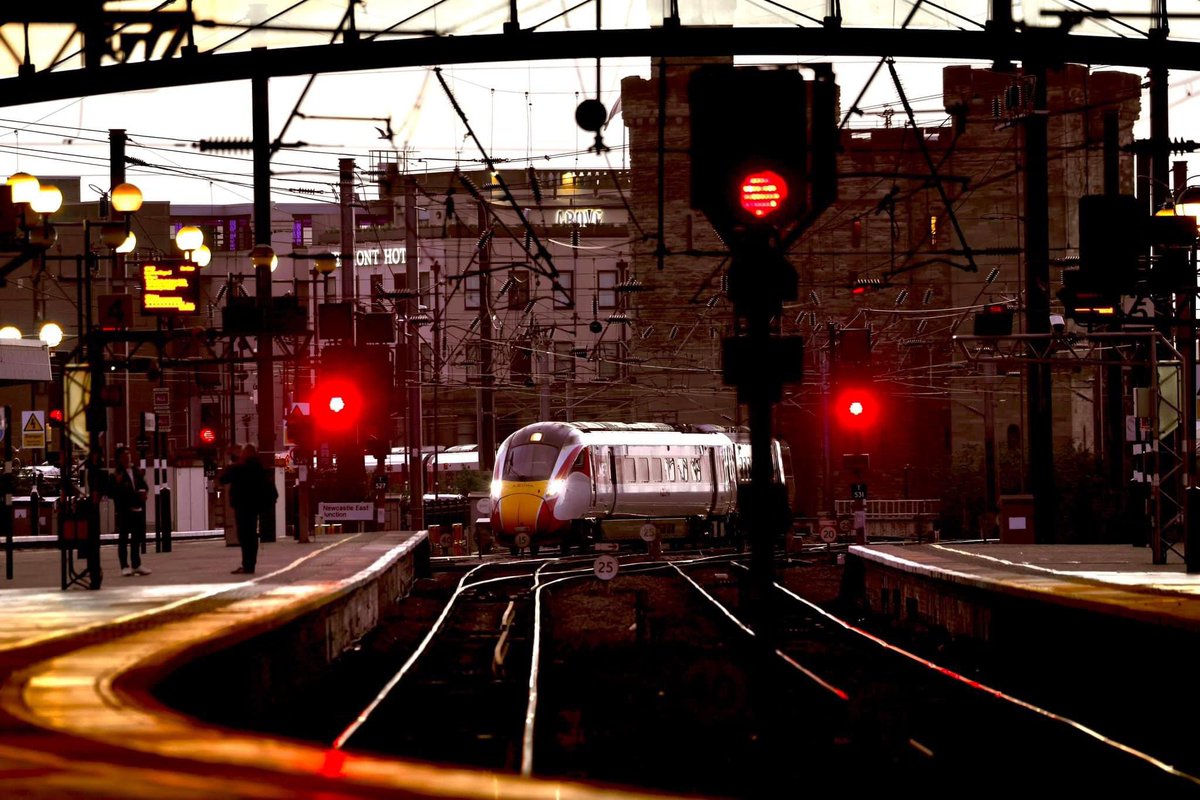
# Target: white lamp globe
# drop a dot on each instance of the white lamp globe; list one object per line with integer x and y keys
{"x": 51, "y": 334}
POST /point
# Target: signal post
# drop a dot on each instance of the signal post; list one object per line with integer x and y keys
{"x": 762, "y": 169}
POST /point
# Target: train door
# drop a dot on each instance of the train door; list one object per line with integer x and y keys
{"x": 604, "y": 478}
{"x": 717, "y": 474}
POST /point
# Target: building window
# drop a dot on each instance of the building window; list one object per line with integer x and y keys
{"x": 238, "y": 233}
{"x": 518, "y": 290}
{"x": 521, "y": 363}
{"x": 221, "y": 234}
{"x": 606, "y": 287}
{"x": 302, "y": 231}
{"x": 427, "y": 375}
{"x": 566, "y": 297}
{"x": 564, "y": 361}
{"x": 610, "y": 361}
{"x": 472, "y": 295}
{"x": 471, "y": 360}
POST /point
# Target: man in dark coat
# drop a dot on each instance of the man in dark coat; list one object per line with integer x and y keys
{"x": 250, "y": 490}
{"x": 129, "y": 491}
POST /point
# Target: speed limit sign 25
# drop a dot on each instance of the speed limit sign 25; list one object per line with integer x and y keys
{"x": 605, "y": 567}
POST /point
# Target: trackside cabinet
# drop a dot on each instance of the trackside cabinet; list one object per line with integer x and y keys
{"x": 1016, "y": 519}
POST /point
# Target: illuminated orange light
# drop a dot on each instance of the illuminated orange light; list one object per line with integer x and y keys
{"x": 763, "y": 192}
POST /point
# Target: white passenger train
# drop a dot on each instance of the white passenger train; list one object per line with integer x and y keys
{"x": 570, "y": 482}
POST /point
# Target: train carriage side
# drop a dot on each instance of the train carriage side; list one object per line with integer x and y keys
{"x": 677, "y": 481}
{"x": 570, "y": 482}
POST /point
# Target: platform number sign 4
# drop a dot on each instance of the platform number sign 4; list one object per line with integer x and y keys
{"x": 606, "y": 567}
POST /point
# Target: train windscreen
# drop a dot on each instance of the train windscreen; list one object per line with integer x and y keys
{"x": 529, "y": 462}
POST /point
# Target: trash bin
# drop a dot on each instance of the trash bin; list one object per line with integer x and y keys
{"x": 1016, "y": 519}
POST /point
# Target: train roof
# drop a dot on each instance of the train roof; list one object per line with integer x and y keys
{"x": 630, "y": 433}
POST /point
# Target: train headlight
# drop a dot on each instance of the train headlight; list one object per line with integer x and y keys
{"x": 495, "y": 490}
{"x": 555, "y": 487}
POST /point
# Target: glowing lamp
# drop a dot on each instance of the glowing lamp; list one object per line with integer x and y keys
{"x": 763, "y": 192}
{"x": 189, "y": 237}
{"x": 1188, "y": 204}
{"x": 24, "y": 187}
{"x": 261, "y": 255}
{"x": 325, "y": 263}
{"x": 51, "y": 334}
{"x": 47, "y": 200}
{"x": 126, "y": 198}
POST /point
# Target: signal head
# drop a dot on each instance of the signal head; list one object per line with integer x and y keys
{"x": 856, "y": 407}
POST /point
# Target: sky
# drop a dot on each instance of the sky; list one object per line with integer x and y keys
{"x": 522, "y": 112}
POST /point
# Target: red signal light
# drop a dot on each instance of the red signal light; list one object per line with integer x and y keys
{"x": 337, "y": 404}
{"x": 857, "y": 407}
{"x": 763, "y": 192}
{"x": 208, "y": 436}
{"x": 56, "y": 416}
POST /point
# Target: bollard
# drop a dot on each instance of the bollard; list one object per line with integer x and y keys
{"x": 162, "y": 517}
{"x": 35, "y": 508}
{"x": 435, "y": 538}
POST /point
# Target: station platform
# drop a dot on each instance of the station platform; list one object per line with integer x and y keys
{"x": 78, "y": 718}
{"x": 986, "y": 589}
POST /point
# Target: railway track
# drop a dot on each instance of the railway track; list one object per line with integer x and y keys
{"x": 920, "y": 724}
{"x": 676, "y": 678}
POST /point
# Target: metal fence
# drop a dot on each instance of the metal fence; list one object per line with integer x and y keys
{"x": 891, "y": 509}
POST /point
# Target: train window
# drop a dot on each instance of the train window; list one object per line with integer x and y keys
{"x": 643, "y": 469}
{"x": 683, "y": 470}
{"x": 670, "y": 464}
{"x": 579, "y": 460}
{"x": 656, "y": 470}
{"x": 529, "y": 462}
{"x": 626, "y": 473}
{"x": 696, "y": 469}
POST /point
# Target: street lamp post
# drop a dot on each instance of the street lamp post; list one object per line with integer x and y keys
{"x": 125, "y": 199}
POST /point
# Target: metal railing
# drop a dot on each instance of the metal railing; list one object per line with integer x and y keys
{"x": 891, "y": 509}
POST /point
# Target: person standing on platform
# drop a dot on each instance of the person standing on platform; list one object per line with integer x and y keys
{"x": 250, "y": 490}
{"x": 129, "y": 491}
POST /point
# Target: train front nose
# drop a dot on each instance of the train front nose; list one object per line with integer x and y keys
{"x": 518, "y": 510}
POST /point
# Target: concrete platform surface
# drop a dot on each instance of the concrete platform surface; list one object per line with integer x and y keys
{"x": 1118, "y": 580}
{"x": 77, "y": 718}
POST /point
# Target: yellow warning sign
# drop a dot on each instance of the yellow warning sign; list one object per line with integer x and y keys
{"x": 33, "y": 430}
